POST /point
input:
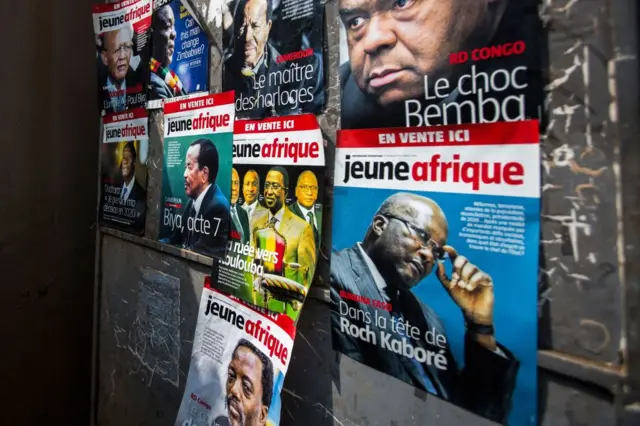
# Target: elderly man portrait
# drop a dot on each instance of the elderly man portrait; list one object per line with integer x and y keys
{"x": 405, "y": 242}
{"x": 116, "y": 48}
{"x": 395, "y": 46}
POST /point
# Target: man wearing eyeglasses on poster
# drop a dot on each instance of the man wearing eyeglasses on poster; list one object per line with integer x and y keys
{"x": 404, "y": 243}
{"x": 305, "y": 206}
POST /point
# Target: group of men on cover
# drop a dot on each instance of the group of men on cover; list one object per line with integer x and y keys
{"x": 392, "y": 46}
{"x": 404, "y": 243}
{"x": 299, "y": 222}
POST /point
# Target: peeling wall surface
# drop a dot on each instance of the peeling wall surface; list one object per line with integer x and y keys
{"x": 589, "y": 294}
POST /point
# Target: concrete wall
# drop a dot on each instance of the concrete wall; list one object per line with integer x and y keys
{"x": 589, "y": 345}
{"x": 48, "y": 158}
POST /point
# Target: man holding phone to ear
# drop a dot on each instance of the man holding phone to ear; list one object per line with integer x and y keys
{"x": 404, "y": 243}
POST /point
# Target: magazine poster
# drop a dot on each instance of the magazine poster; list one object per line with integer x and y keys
{"x": 239, "y": 360}
{"x": 196, "y": 176}
{"x": 276, "y": 213}
{"x": 122, "y": 34}
{"x": 273, "y": 56}
{"x": 434, "y": 265}
{"x": 420, "y": 63}
{"x": 179, "y": 52}
{"x": 123, "y": 170}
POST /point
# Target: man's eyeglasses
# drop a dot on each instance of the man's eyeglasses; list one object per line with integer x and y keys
{"x": 123, "y": 48}
{"x": 308, "y": 187}
{"x": 274, "y": 186}
{"x": 421, "y": 236}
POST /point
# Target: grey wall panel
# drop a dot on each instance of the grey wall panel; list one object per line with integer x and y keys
{"x": 580, "y": 283}
{"x": 149, "y": 305}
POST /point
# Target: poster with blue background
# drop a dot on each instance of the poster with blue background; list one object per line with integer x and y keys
{"x": 435, "y": 261}
{"x": 180, "y": 52}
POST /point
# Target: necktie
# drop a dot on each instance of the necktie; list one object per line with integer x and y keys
{"x": 236, "y": 222}
{"x": 312, "y": 222}
{"x": 124, "y": 192}
{"x": 192, "y": 213}
{"x": 273, "y": 221}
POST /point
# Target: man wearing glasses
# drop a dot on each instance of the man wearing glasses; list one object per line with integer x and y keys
{"x": 115, "y": 53}
{"x": 300, "y": 245}
{"x": 404, "y": 243}
{"x": 305, "y": 205}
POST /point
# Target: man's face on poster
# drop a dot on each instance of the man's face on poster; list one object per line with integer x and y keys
{"x": 274, "y": 191}
{"x": 255, "y": 30}
{"x": 235, "y": 186}
{"x": 393, "y": 44}
{"x": 307, "y": 189}
{"x": 195, "y": 179}
{"x": 127, "y": 167}
{"x": 244, "y": 389}
{"x": 164, "y": 35}
{"x": 250, "y": 187}
{"x": 409, "y": 245}
{"x": 116, "y": 53}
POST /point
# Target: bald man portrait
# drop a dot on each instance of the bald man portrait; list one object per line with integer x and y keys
{"x": 393, "y": 45}
{"x": 405, "y": 242}
{"x": 252, "y": 55}
{"x": 251, "y": 52}
{"x": 305, "y": 206}
{"x": 116, "y": 48}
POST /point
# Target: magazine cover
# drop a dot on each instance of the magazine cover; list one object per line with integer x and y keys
{"x": 273, "y": 56}
{"x": 180, "y": 52}
{"x": 123, "y": 193}
{"x": 437, "y": 63}
{"x": 196, "y": 177}
{"x": 123, "y": 48}
{"x": 434, "y": 275}
{"x": 239, "y": 359}
{"x": 276, "y": 213}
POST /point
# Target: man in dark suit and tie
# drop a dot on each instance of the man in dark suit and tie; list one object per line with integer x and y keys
{"x": 239, "y": 218}
{"x": 404, "y": 243}
{"x": 250, "y": 191}
{"x": 131, "y": 189}
{"x": 305, "y": 205}
{"x": 116, "y": 48}
{"x": 205, "y": 221}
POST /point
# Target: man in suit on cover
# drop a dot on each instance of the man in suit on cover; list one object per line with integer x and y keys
{"x": 205, "y": 220}
{"x": 250, "y": 191}
{"x": 131, "y": 189}
{"x": 116, "y": 48}
{"x": 165, "y": 83}
{"x": 404, "y": 243}
{"x": 300, "y": 245}
{"x": 305, "y": 205}
{"x": 239, "y": 218}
